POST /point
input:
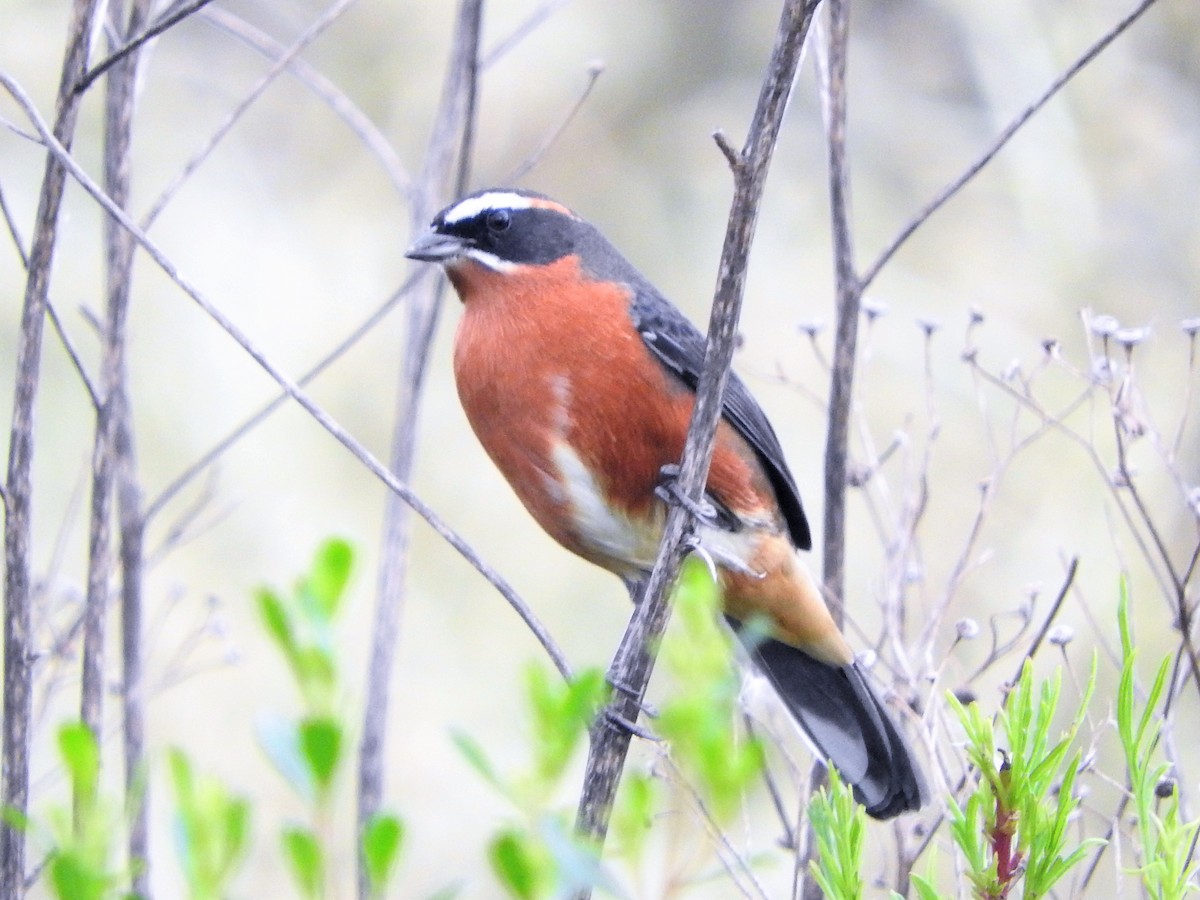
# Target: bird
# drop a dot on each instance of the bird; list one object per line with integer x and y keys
{"x": 578, "y": 378}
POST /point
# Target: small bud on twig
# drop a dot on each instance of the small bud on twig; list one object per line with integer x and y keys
{"x": 1104, "y": 326}
{"x": 873, "y": 309}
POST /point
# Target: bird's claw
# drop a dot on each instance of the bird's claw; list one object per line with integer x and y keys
{"x": 632, "y": 727}
{"x": 714, "y": 558}
{"x": 668, "y": 491}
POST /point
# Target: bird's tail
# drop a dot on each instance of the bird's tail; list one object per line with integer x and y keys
{"x": 847, "y": 722}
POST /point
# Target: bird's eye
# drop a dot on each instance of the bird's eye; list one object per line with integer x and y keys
{"x": 498, "y": 220}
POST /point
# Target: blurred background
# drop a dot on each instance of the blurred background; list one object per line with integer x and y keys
{"x": 292, "y": 227}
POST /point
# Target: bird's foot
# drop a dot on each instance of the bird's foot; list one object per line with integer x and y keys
{"x": 668, "y": 490}
{"x": 631, "y": 727}
{"x": 630, "y": 692}
{"x": 714, "y": 558}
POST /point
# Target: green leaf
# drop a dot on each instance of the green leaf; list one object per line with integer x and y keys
{"x": 326, "y": 582}
{"x": 74, "y": 879}
{"x": 522, "y": 865}
{"x": 562, "y": 713}
{"x": 633, "y": 814}
{"x": 280, "y": 740}
{"x": 381, "y": 841}
{"x": 925, "y": 890}
{"x": 81, "y": 755}
{"x": 321, "y": 746}
{"x": 277, "y": 620}
{"x": 213, "y": 828}
{"x": 306, "y": 860}
{"x": 473, "y": 753}
{"x": 839, "y": 825}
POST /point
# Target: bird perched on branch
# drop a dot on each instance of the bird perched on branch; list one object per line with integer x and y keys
{"x": 579, "y": 378}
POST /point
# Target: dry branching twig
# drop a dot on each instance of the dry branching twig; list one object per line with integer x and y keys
{"x": 634, "y": 659}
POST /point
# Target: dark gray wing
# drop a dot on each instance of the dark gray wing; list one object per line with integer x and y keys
{"x": 679, "y": 346}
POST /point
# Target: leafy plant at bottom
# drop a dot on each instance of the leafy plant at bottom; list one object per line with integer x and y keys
{"x": 1013, "y": 827}
{"x": 213, "y": 828}
{"x": 698, "y": 720}
{"x": 1165, "y": 842}
{"x": 839, "y": 824}
{"x": 540, "y": 856}
{"x": 309, "y": 752}
{"x": 81, "y": 839}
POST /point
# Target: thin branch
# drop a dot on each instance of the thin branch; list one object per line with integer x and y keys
{"x": 531, "y": 24}
{"x": 848, "y": 297}
{"x": 354, "y": 117}
{"x": 1072, "y": 568}
{"x": 173, "y": 16}
{"x": 452, "y": 138}
{"x": 848, "y": 290}
{"x": 184, "y": 478}
{"x": 73, "y": 354}
{"x": 634, "y": 660}
{"x": 11, "y": 224}
{"x": 114, "y": 465}
{"x": 293, "y": 390}
{"x": 595, "y": 70}
{"x": 998, "y": 144}
{"x": 310, "y": 34}
{"x": 18, "y": 641}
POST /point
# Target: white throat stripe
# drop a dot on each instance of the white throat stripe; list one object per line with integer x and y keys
{"x": 489, "y": 260}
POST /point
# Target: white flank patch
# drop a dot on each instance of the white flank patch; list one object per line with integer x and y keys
{"x": 473, "y": 206}
{"x": 605, "y": 530}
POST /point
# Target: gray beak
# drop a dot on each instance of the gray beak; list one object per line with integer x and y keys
{"x": 438, "y": 248}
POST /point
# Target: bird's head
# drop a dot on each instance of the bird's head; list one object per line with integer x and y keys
{"x": 508, "y": 230}
{"x": 500, "y": 229}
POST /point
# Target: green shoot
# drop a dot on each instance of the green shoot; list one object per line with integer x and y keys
{"x": 1165, "y": 841}
{"x": 839, "y": 824}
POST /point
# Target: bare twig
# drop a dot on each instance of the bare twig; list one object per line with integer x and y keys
{"x": 998, "y": 144}
{"x": 113, "y": 464}
{"x": 310, "y": 34}
{"x": 184, "y": 478}
{"x": 527, "y": 27}
{"x": 451, "y": 140}
{"x": 13, "y": 233}
{"x": 848, "y": 297}
{"x": 18, "y": 647}
{"x": 595, "y": 70}
{"x": 293, "y": 390}
{"x": 1072, "y": 568}
{"x": 173, "y": 16}
{"x": 634, "y": 660}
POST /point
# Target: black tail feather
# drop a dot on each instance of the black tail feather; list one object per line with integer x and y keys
{"x": 847, "y": 722}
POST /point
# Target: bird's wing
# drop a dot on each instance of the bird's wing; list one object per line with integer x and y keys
{"x": 679, "y": 346}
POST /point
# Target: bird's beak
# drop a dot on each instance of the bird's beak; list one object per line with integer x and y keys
{"x": 435, "y": 247}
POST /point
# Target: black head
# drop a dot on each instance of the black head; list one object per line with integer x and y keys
{"x": 505, "y": 228}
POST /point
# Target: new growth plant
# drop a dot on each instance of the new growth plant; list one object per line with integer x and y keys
{"x": 82, "y": 839}
{"x": 1013, "y": 828}
{"x": 537, "y": 855}
{"x": 310, "y": 751}
{"x": 1165, "y": 843}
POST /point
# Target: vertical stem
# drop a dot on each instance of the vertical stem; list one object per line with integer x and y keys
{"x": 634, "y": 661}
{"x": 18, "y": 646}
{"x": 849, "y": 295}
{"x": 115, "y": 463}
{"x": 451, "y": 140}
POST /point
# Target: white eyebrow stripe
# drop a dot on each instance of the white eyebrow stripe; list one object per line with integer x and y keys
{"x": 473, "y": 206}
